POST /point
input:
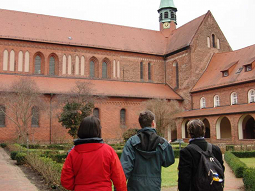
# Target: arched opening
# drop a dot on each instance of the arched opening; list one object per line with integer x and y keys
{"x": 123, "y": 117}
{"x": 223, "y": 128}
{"x": 184, "y": 129}
{"x": 96, "y": 112}
{"x": 207, "y": 128}
{"x": 38, "y": 63}
{"x": 93, "y": 68}
{"x": 246, "y": 127}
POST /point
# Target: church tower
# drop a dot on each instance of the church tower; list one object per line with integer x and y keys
{"x": 167, "y": 15}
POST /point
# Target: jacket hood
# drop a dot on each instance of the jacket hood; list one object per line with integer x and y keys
{"x": 149, "y": 140}
{"x": 88, "y": 145}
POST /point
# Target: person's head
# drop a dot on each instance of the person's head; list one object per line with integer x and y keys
{"x": 147, "y": 119}
{"x": 196, "y": 128}
{"x": 89, "y": 127}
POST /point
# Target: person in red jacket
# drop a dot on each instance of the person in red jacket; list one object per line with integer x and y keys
{"x": 92, "y": 164}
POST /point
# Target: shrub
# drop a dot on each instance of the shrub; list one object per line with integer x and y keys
{"x": 244, "y": 154}
{"x": 249, "y": 179}
{"x": 21, "y": 158}
{"x": 3, "y": 145}
{"x": 13, "y": 155}
{"x": 129, "y": 133}
{"x": 230, "y": 147}
{"x": 236, "y": 165}
{"x": 176, "y": 153}
{"x": 119, "y": 153}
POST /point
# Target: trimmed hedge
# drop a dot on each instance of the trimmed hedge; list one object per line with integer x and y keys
{"x": 13, "y": 155}
{"x": 235, "y": 164}
{"x": 249, "y": 179}
{"x": 21, "y": 158}
{"x": 244, "y": 154}
{"x": 3, "y": 145}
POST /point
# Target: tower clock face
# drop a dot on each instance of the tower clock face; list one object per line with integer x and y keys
{"x": 166, "y": 25}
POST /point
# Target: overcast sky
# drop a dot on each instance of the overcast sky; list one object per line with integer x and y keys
{"x": 235, "y": 17}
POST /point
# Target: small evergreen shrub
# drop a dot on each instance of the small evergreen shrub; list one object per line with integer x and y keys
{"x": 249, "y": 179}
{"x": 235, "y": 164}
{"x": 21, "y": 158}
{"x": 3, "y": 145}
{"x": 13, "y": 155}
{"x": 129, "y": 133}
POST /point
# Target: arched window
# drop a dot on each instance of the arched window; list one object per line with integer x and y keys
{"x": 5, "y": 60}
{"x": 64, "y": 65}
{"x": 208, "y": 42}
{"x": 165, "y": 15}
{"x": 123, "y": 117}
{"x": 12, "y": 61}
{"x": 251, "y": 96}
{"x": 104, "y": 70}
{"x": 149, "y": 71}
{"x": 202, "y": 103}
{"x": 2, "y": 116}
{"x": 82, "y": 65}
{"x": 20, "y": 61}
{"x": 35, "y": 117}
{"x": 216, "y": 101}
{"x": 52, "y": 66}
{"x": 38, "y": 63}
{"x": 27, "y": 61}
{"x": 77, "y": 65}
{"x": 92, "y": 69}
{"x": 96, "y": 112}
{"x": 141, "y": 70}
{"x": 172, "y": 15}
{"x": 69, "y": 67}
{"x": 213, "y": 41}
{"x": 160, "y": 17}
{"x": 218, "y": 43}
{"x": 233, "y": 98}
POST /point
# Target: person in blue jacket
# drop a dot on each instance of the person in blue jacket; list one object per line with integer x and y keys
{"x": 144, "y": 154}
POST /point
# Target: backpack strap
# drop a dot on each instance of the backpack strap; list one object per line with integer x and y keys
{"x": 198, "y": 149}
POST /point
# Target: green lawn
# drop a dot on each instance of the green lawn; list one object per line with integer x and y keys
{"x": 250, "y": 162}
{"x": 170, "y": 175}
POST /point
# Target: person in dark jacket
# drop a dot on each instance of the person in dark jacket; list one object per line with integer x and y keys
{"x": 189, "y": 157}
{"x": 144, "y": 154}
{"x": 92, "y": 164}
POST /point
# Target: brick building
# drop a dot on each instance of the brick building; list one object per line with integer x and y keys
{"x": 127, "y": 65}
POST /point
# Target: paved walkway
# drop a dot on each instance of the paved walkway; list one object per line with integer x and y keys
{"x": 11, "y": 176}
{"x": 13, "y": 179}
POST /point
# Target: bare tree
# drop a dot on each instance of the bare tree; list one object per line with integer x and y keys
{"x": 20, "y": 99}
{"x": 164, "y": 111}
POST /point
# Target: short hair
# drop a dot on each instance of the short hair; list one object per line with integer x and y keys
{"x": 196, "y": 128}
{"x": 146, "y": 118}
{"x": 89, "y": 127}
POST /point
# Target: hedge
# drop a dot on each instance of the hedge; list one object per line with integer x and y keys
{"x": 244, "y": 154}
{"x": 3, "y": 145}
{"x": 235, "y": 164}
{"x": 21, "y": 158}
{"x": 249, "y": 179}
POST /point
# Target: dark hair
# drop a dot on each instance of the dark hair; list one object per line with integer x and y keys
{"x": 89, "y": 127}
{"x": 196, "y": 128}
{"x": 146, "y": 118}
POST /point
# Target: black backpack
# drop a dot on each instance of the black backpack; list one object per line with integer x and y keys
{"x": 206, "y": 178}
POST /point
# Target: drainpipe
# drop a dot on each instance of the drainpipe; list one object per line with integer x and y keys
{"x": 51, "y": 95}
{"x": 165, "y": 67}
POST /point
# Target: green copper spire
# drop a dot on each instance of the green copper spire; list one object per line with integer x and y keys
{"x": 166, "y": 4}
{"x": 167, "y": 11}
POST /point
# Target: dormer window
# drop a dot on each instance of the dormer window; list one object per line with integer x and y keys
{"x": 248, "y": 68}
{"x": 202, "y": 103}
{"x": 166, "y": 15}
{"x": 225, "y": 73}
{"x": 239, "y": 70}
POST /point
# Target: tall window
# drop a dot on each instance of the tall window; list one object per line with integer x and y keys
{"x": 12, "y": 61}
{"x": 160, "y": 17}
{"x": 52, "y": 66}
{"x": 104, "y": 70}
{"x": 5, "y": 60}
{"x": 251, "y": 96}
{"x": 166, "y": 15}
{"x": 35, "y": 117}
{"x": 172, "y": 15}
{"x": 27, "y": 61}
{"x": 218, "y": 43}
{"x": 38, "y": 63}
{"x": 96, "y": 112}
{"x": 123, "y": 117}
{"x": 92, "y": 69}
{"x": 233, "y": 98}
{"x": 2, "y": 116}
{"x": 213, "y": 41}
{"x": 216, "y": 101}
{"x": 208, "y": 42}
{"x": 202, "y": 103}
{"x": 141, "y": 70}
{"x": 149, "y": 71}
{"x": 20, "y": 61}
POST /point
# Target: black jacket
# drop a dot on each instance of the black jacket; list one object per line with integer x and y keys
{"x": 188, "y": 163}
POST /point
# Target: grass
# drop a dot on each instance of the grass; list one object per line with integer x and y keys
{"x": 250, "y": 162}
{"x": 170, "y": 175}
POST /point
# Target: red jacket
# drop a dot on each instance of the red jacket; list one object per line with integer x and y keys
{"x": 92, "y": 166}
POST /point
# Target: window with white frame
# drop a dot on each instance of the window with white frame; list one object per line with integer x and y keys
{"x": 251, "y": 96}
{"x": 216, "y": 101}
{"x": 234, "y": 98}
{"x": 202, "y": 103}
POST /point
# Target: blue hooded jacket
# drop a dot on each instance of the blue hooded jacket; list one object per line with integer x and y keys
{"x": 142, "y": 158}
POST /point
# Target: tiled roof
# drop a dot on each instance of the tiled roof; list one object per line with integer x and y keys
{"x": 212, "y": 77}
{"x": 232, "y": 109}
{"x": 107, "y": 88}
{"x": 42, "y": 28}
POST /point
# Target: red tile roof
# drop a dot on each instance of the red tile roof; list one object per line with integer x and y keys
{"x": 212, "y": 77}
{"x": 232, "y": 109}
{"x": 42, "y": 28}
{"x": 57, "y": 85}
